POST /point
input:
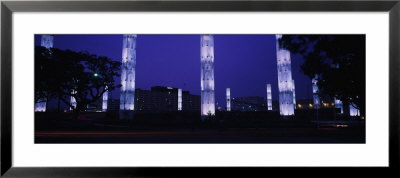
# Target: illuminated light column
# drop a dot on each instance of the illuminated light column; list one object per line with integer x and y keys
{"x": 339, "y": 104}
{"x": 105, "y": 100}
{"x": 315, "y": 92}
{"x": 294, "y": 94}
{"x": 354, "y": 111}
{"x": 72, "y": 101}
{"x": 179, "y": 99}
{"x": 207, "y": 75}
{"x": 269, "y": 97}
{"x": 47, "y": 42}
{"x": 285, "y": 83}
{"x": 228, "y": 99}
{"x": 128, "y": 69}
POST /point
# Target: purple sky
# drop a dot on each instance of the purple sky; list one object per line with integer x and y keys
{"x": 244, "y": 63}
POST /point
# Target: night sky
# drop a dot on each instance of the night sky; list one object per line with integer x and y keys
{"x": 244, "y": 63}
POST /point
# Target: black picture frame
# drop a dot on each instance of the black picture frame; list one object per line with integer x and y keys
{"x": 8, "y": 7}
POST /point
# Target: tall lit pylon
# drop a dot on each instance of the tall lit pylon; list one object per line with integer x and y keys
{"x": 316, "y": 92}
{"x": 269, "y": 97}
{"x": 47, "y": 42}
{"x": 179, "y": 99}
{"x": 339, "y": 105}
{"x": 294, "y": 94}
{"x": 105, "y": 100}
{"x": 207, "y": 75}
{"x": 285, "y": 82}
{"x": 72, "y": 101}
{"x": 128, "y": 69}
{"x": 228, "y": 99}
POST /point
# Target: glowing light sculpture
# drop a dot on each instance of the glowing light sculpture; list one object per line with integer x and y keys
{"x": 285, "y": 83}
{"x": 73, "y": 101}
{"x": 315, "y": 92}
{"x": 179, "y": 99}
{"x": 354, "y": 111}
{"x": 228, "y": 99}
{"x": 47, "y": 42}
{"x": 207, "y": 75}
{"x": 128, "y": 69}
{"x": 269, "y": 97}
{"x": 339, "y": 104}
{"x": 294, "y": 94}
{"x": 105, "y": 100}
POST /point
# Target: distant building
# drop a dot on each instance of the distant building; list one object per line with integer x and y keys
{"x": 161, "y": 98}
{"x": 158, "y": 99}
{"x": 249, "y": 103}
{"x": 191, "y": 102}
{"x": 164, "y": 98}
{"x": 113, "y": 105}
{"x": 309, "y": 104}
{"x": 304, "y": 104}
{"x": 142, "y": 100}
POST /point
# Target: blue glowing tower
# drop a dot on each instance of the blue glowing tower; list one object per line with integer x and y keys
{"x": 72, "y": 101}
{"x": 105, "y": 100}
{"x": 269, "y": 97}
{"x": 285, "y": 82}
{"x": 179, "y": 99}
{"x": 228, "y": 99}
{"x": 339, "y": 105}
{"x": 207, "y": 75}
{"x": 294, "y": 94}
{"x": 47, "y": 42}
{"x": 128, "y": 69}
{"x": 315, "y": 89}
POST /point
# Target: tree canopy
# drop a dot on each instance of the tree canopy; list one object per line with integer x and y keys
{"x": 337, "y": 60}
{"x": 64, "y": 74}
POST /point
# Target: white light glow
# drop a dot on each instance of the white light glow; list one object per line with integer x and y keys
{"x": 285, "y": 82}
{"x": 128, "y": 69}
{"x": 339, "y": 104}
{"x": 228, "y": 99}
{"x": 72, "y": 101}
{"x": 269, "y": 97}
{"x": 105, "y": 100}
{"x": 315, "y": 89}
{"x": 294, "y": 94}
{"x": 207, "y": 75}
{"x": 179, "y": 99}
{"x": 354, "y": 111}
{"x": 47, "y": 42}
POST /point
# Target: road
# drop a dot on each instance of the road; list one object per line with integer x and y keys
{"x": 290, "y": 135}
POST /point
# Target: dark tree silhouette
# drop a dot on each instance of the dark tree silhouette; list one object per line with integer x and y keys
{"x": 69, "y": 74}
{"x": 42, "y": 62}
{"x": 338, "y": 60}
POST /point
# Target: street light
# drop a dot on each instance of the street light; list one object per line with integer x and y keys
{"x": 95, "y": 74}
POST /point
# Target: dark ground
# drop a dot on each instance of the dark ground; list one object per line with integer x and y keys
{"x": 290, "y": 135}
{"x": 99, "y": 128}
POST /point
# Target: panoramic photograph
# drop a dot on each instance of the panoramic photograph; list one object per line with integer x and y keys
{"x": 199, "y": 88}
